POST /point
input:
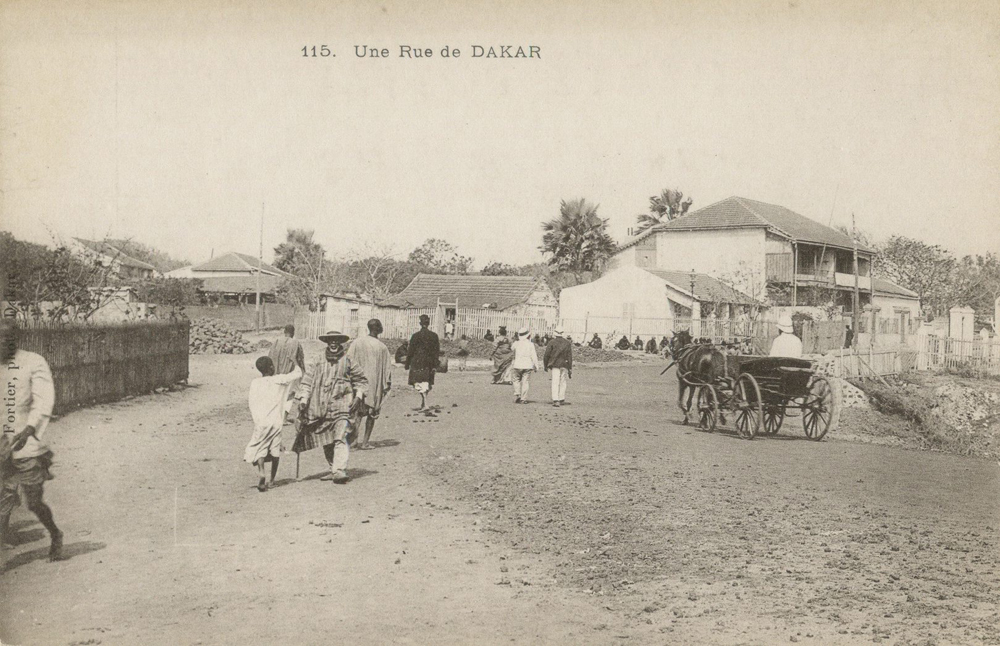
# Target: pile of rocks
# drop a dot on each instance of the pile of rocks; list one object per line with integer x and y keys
{"x": 966, "y": 408}
{"x": 210, "y": 336}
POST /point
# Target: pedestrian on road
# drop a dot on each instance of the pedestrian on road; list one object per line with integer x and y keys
{"x": 287, "y": 353}
{"x": 525, "y": 362}
{"x": 502, "y": 357}
{"x": 400, "y": 356}
{"x": 268, "y": 399}
{"x": 559, "y": 359}
{"x": 24, "y": 461}
{"x": 373, "y": 358}
{"x": 422, "y": 359}
{"x": 330, "y": 393}
{"x": 596, "y": 342}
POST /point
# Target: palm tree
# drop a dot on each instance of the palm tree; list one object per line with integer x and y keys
{"x": 577, "y": 240}
{"x": 668, "y": 205}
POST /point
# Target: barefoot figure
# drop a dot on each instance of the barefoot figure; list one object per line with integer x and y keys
{"x": 373, "y": 358}
{"x": 268, "y": 398}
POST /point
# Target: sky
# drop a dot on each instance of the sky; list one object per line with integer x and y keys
{"x": 181, "y": 124}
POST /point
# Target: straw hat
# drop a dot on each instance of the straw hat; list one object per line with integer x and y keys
{"x": 335, "y": 336}
{"x": 523, "y": 331}
{"x": 785, "y": 323}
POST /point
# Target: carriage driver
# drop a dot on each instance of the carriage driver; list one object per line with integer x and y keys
{"x": 787, "y": 344}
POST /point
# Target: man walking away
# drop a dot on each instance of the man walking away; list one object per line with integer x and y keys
{"x": 525, "y": 362}
{"x": 268, "y": 397}
{"x": 422, "y": 359}
{"x": 24, "y": 460}
{"x": 373, "y": 358}
{"x": 559, "y": 358}
{"x": 287, "y": 353}
{"x": 331, "y": 391}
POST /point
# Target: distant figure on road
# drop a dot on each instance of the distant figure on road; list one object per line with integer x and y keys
{"x": 286, "y": 353}
{"x": 849, "y": 337}
{"x": 559, "y": 358}
{"x": 787, "y": 344}
{"x": 596, "y": 342}
{"x": 525, "y": 362}
{"x": 449, "y": 329}
{"x": 502, "y": 357}
{"x": 463, "y": 352}
{"x": 637, "y": 344}
{"x": 330, "y": 392}
{"x": 422, "y": 359}
{"x": 24, "y": 461}
{"x": 623, "y": 343}
{"x": 651, "y": 346}
{"x": 268, "y": 398}
{"x": 372, "y": 357}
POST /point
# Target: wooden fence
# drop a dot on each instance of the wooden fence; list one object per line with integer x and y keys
{"x": 979, "y": 358}
{"x": 101, "y": 363}
{"x": 402, "y": 323}
{"x": 861, "y": 363}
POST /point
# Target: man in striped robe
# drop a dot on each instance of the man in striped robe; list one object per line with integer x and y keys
{"x": 329, "y": 395}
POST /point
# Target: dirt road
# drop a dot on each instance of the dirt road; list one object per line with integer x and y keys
{"x": 601, "y": 522}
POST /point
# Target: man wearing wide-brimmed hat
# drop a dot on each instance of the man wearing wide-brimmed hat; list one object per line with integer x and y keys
{"x": 331, "y": 391}
{"x": 787, "y": 344}
{"x": 525, "y": 362}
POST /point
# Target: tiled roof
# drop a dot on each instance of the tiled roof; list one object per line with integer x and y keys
{"x": 234, "y": 261}
{"x": 240, "y": 284}
{"x": 742, "y": 213}
{"x": 499, "y": 292}
{"x": 105, "y": 249}
{"x": 891, "y": 289}
{"x": 706, "y": 288}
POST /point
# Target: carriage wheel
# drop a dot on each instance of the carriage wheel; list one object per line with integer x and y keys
{"x": 820, "y": 409}
{"x": 748, "y": 406}
{"x": 774, "y": 415}
{"x": 708, "y": 408}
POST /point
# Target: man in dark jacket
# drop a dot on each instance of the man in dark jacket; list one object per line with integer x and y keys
{"x": 422, "y": 359}
{"x": 559, "y": 359}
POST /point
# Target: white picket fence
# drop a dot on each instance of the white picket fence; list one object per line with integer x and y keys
{"x": 976, "y": 357}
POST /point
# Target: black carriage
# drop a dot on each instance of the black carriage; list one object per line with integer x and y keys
{"x": 762, "y": 392}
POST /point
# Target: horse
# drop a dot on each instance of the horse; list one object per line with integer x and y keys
{"x": 698, "y": 363}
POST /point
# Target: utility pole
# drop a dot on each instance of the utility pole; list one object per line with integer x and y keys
{"x": 857, "y": 298}
{"x": 260, "y": 264}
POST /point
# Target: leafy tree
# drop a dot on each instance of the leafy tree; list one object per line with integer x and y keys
{"x": 975, "y": 283}
{"x": 668, "y": 205}
{"x": 435, "y": 256}
{"x": 925, "y": 269}
{"x": 577, "y": 241}
{"x": 311, "y": 273}
{"x": 175, "y": 292}
{"x": 52, "y": 284}
{"x": 501, "y": 269}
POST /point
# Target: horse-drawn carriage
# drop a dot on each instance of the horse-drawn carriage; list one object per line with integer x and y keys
{"x": 757, "y": 391}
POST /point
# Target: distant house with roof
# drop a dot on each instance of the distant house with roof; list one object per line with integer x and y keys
{"x": 801, "y": 260}
{"x": 108, "y": 255}
{"x": 514, "y": 295}
{"x": 644, "y": 301}
{"x": 233, "y": 276}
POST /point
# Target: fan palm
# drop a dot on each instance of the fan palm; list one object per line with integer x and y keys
{"x": 578, "y": 239}
{"x": 668, "y": 205}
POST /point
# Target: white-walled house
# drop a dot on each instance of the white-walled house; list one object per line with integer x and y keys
{"x": 758, "y": 247}
{"x": 640, "y": 301}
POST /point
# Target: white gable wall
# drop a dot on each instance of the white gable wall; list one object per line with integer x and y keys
{"x": 622, "y": 290}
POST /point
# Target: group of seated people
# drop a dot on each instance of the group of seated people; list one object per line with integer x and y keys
{"x": 651, "y": 347}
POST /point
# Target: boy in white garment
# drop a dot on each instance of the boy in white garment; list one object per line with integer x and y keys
{"x": 268, "y": 399}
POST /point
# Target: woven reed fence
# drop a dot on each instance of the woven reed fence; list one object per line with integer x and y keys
{"x": 102, "y": 363}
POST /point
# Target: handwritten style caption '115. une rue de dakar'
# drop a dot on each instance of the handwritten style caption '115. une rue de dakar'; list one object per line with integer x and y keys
{"x": 412, "y": 52}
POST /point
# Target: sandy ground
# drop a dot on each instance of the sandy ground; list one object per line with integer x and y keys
{"x": 602, "y": 522}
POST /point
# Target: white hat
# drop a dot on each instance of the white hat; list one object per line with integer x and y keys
{"x": 559, "y": 331}
{"x": 523, "y": 331}
{"x": 785, "y": 323}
